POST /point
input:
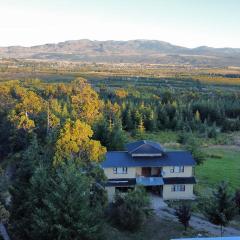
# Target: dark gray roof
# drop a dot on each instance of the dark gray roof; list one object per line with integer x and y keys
{"x": 180, "y": 180}
{"x": 143, "y": 146}
{"x": 171, "y": 158}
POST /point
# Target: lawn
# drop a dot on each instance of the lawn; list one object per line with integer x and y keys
{"x": 164, "y": 137}
{"x": 223, "y": 163}
{"x": 154, "y": 229}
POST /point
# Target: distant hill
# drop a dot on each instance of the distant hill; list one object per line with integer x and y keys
{"x": 133, "y": 51}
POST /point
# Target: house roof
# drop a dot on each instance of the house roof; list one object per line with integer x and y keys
{"x": 144, "y": 147}
{"x": 171, "y": 158}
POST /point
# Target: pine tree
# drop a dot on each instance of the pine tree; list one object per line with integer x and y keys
{"x": 61, "y": 205}
{"x": 117, "y": 137}
{"x": 220, "y": 208}
{"x": 20, "y": 211}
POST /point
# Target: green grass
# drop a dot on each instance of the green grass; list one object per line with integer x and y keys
{"x": 164, "y": 137}
{"x": 153, "y": 229}
{"x": 223, "y": 163}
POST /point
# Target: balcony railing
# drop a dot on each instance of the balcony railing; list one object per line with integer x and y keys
{"x": 149, "y": 181}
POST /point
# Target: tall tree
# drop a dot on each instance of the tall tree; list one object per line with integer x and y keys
{"x": 194, "y": 147}
{"x": 20, "y": 209}
{"x": 62, "y": 207}
{"x": 85, "y": 102}
{"x": 74, "y": 142}
{"x": 183, "y": 213}
{"x": 220, "y": 208}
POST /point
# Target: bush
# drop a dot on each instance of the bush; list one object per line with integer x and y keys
{"x": 130, "y": 210}
{"x": 183, "y": 213}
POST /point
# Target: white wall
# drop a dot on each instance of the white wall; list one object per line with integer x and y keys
{"x": 131, "y": 173}
{"x": 187, "y": 194}
{"x": 188, "y": 172}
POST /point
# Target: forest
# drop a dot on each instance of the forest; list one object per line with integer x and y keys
{"x": 54, "y": 133}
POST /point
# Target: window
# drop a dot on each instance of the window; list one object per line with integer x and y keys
{"x": 177, "y": 169}
{"x": 122, "y": 170}
{"x": 178, "y": 188}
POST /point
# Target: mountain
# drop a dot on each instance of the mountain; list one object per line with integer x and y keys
{"x": 132, "y": 51}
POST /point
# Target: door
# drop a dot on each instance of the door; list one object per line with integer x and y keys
{"x": 146, "y": 171}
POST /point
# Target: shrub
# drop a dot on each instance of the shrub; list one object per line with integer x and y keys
{"x": 130, "y": 210}
{"x": 183, "y": 213}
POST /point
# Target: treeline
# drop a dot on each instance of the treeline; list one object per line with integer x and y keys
{"x": 53, "y": 136}
{"x": 151, "y": 109}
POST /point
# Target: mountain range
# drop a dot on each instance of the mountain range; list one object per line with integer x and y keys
{"x": 132, "y": 51}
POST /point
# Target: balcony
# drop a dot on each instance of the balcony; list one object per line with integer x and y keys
{"x": 149, "y": 181}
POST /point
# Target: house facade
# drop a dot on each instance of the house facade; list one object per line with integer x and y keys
{"x": 170, "y": 174}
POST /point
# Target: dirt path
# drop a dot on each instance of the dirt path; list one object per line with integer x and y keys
{"x": 197, "y": 223}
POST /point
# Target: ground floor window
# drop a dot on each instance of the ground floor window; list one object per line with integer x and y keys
{"x": 178, "y": 188}
{"x": 123, "y": 189}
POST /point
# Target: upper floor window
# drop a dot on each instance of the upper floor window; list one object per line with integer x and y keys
{"x": 177, "y": 169}
{"x": 178, "y": 188}
{"x": 121, "y": 170}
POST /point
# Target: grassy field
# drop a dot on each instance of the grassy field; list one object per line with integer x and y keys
{"x": 154, "y": 229}
{"x": 223, "y": 163}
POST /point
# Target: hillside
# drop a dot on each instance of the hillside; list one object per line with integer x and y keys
{"x": 133, "y": 51}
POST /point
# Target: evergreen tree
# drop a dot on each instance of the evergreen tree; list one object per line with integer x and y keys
{"x": 220, "y": 208}
{"x": 129, "y": 211}
{"x": 237, "y": 199}
{"x": 61, "y": 209}
{"x": 128, "y": 120}
{"x": 20, "y": 209}
{"x": 117, "y": 137}
{"x": 193, "y": 147}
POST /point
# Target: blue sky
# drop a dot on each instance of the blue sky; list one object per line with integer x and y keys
{"x": 188, "y": 23}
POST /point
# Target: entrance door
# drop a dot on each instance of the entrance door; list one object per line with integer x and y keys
{"x": 146, "y": 171}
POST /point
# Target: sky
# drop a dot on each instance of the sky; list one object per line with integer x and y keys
{"x": 188, "y": 23}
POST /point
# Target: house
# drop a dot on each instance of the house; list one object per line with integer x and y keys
{"x": 167, "y": 173}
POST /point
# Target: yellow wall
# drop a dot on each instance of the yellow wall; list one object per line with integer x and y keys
{"x": 187, "y": 194}
{"x": 187, "y": 172}
{"x": 131, "y": 173}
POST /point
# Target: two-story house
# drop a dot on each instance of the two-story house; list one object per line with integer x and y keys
{"x": 168, "y": 173}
